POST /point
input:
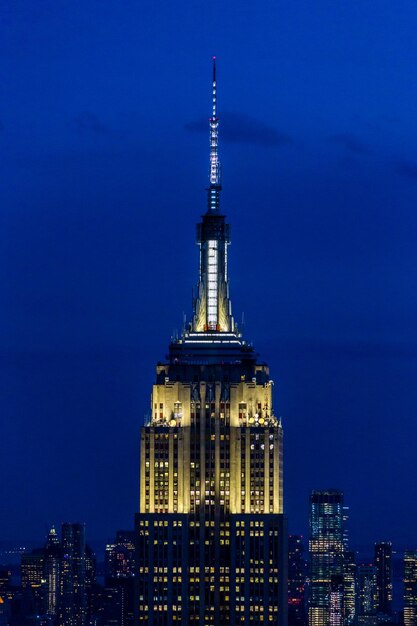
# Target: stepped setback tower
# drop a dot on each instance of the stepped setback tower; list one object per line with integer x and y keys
{"x": 211, "y": 534}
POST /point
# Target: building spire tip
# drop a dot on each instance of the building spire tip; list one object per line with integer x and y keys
{"x": 214, "y": 157}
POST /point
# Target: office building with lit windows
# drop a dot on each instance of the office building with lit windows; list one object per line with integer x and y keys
{"x": 326, "y": 558}
{"x": 336, "y": 601}
{"x": 366, "y": 594}
{"x": 73, "y": 603}
{"x": 410, "y": 588}
{"x": 349, "y": 587}
{"x": 211, "y": 535}
{"x": 32, "y": 577}
{"x": 383, "y": 564}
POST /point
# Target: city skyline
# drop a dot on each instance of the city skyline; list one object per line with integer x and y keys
{"x": 325, "y": 237}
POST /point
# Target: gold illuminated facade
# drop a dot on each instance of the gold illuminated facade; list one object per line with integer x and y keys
{"x": 211, "y": 532}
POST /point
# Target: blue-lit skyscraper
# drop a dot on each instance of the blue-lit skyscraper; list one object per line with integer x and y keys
{"x": 326, "y": 558}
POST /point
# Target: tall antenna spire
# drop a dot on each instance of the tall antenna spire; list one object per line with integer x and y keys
{"x": 215, "y": 186}
{"x": 214, "y": 87}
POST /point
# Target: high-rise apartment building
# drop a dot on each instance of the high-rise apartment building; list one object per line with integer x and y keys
{"x": 410, "y": 588}
{"x": 383, "y": 564}
{"x": 211, "y": 532}
{"x": 326, "y": 558}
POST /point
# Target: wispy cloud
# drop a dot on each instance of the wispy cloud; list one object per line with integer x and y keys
{"x": 88, "y": 122}
{"x": 241, "y": 128}
{"x": 349, "y": 142}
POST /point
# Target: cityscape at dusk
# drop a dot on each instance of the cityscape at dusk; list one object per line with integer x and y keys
{"x": 222, "y": 433}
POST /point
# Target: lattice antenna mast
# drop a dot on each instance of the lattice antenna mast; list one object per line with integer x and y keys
{"x": 215, "y": 186}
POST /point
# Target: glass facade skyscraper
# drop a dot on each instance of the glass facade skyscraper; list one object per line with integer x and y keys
{"x": 326, "y": 558}
{"x": 211, "y": 533}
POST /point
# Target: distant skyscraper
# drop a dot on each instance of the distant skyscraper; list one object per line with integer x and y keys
{"x": 336, "y": 601}
{"x": 211, "y": 532}
{"x": 126, "y": 538}
{"x": 119, "y": 580}
{"x": 117, "y": 603}
{"x": 73, "y": 604}
{"x": 52, "y": 572}
{"x": 349, "y": 584}
{"x": 326, "y": 549}
{"x": 366, "y": 594}
{"x": 383, "y": 564}
{"x": 5, "y": 610}
{"x": 32, "y": 577}
{"x": 297, "y": 572}
{"x": 5, "y": 595}
{"x": 119, "y": 558}
{"x": 5, "y": 578}
{"x": 410, "y": 588}
{"x": 90, "y": 579}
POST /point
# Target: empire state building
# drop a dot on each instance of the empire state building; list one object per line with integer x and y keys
{"x": 211, "y": 535}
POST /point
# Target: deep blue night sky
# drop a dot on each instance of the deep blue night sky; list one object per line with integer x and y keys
{"x": 104, "y": 161}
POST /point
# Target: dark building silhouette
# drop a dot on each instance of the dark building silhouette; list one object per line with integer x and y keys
{"x": 90, "y": 580}
{"x": 297, "y": 572}
{"x": 5, "y": 578}
{"x": 410, "y": 588}
{"x": 211, "y": 533}
{"x": 118, "y": 595}
{"x": 118, "y": 602}
{"x": 73, "y": 592}
{"x": 383, "y": 564}
{"x": 326, "y": 557}
{"x": 5, "y": 611}
{"x": 32, "y": 581}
